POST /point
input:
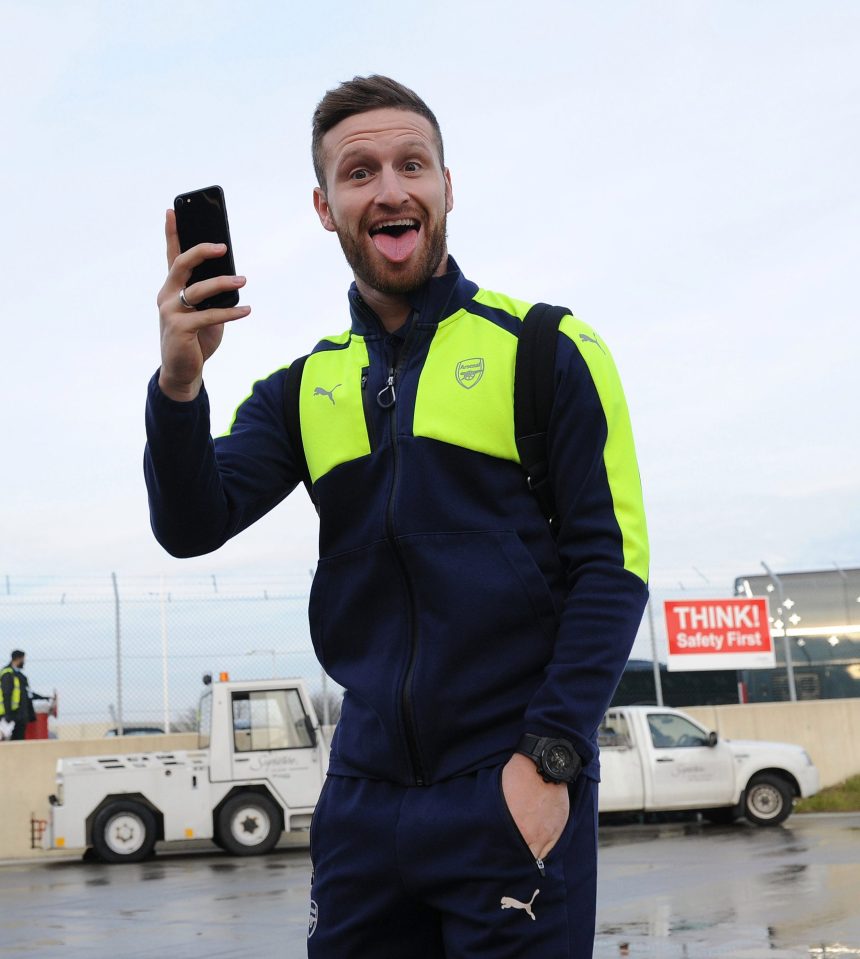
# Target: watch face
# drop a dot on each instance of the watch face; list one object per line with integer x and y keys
{"x": 558, "y": 761}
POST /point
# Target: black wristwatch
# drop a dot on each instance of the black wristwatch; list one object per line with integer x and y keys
{"x": 556, "y": 759}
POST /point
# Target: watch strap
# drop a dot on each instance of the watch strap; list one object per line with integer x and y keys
{"x": 532, "y": 746}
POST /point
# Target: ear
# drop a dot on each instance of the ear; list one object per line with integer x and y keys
{"x": 449, "y": 192}
{"x": 323, "y": 210}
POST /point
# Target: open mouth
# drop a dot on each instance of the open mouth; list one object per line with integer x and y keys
{"x": 396, "y": 239}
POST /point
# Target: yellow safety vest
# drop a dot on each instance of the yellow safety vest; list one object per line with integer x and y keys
{"x": 16, "y": 692}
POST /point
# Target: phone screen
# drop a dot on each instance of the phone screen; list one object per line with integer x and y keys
{"x": 201, "y": 217}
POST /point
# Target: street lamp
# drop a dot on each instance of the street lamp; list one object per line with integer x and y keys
{"x": 779, "y": 623}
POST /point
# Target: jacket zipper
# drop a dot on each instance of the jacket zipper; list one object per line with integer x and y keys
{"x": 387, "y": 398}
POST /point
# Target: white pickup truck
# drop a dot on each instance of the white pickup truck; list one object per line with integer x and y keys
{"x": 258, "y": 772}
{"x": 655, "y": 759}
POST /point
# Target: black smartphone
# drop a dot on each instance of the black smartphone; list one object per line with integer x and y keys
{"x": 201, "y": 217}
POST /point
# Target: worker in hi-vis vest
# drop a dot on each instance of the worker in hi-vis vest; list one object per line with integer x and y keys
{"x": 15, "y": 703}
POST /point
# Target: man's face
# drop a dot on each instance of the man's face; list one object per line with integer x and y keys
{"x": 386, "y": 197}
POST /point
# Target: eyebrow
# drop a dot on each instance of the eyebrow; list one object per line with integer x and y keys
{"x": 418, "y": 146}
{"x": 357, "y": 151}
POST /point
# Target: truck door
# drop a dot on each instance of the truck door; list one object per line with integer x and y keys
{"x": 273, "y": 740}
{"x": 621, "y": 786}
{"x": 686, "y": 771}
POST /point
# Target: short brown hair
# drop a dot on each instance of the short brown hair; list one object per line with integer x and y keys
{"x": 360, "y": 95}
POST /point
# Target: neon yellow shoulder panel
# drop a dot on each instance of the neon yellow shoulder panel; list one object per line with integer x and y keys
{"x": 334, "y": 430}
{"x": 466, "y": 390}
{"x": 619, "y": 456}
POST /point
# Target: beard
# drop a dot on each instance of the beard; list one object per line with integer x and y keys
{"x": 372, "y": 268}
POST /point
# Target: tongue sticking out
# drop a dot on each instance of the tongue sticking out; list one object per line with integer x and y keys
{"x": 396, "y": 248}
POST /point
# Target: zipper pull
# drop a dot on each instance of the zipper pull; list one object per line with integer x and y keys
{"x": 539, "y": 863}
{"x": 386, "y": 397}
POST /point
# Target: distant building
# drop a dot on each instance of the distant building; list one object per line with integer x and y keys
{"x": 820, "y": 614}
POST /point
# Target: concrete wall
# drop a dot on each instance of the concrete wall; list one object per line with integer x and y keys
{"x": 829, "y": 730}
{"x": 27, "y": 775}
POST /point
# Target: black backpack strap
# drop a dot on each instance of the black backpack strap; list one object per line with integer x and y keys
{"x": 534, "y": 391}
{"x": 292, "y": 385}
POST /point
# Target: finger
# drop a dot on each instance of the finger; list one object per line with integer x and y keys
{"x": 203, "y": 289}
{"x": 184, "y": 263}
{"x": 172, "y": 237}
{"x": 195, "y": 320}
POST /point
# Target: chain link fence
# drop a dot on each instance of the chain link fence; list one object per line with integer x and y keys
{"x": 132, "y": 651}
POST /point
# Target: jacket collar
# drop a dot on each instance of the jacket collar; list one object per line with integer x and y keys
{"x": 438, "y": 298}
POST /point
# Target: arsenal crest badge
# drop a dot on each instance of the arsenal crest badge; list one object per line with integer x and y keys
{"x": 469, "y": 372}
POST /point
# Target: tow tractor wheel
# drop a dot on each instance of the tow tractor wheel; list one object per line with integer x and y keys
{"x": 768, "y": 800}
{"x": 124, "y": 831}
{"x": 248, "y": 825}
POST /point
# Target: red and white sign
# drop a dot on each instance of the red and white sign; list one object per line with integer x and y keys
{"x": 718, "y": 634}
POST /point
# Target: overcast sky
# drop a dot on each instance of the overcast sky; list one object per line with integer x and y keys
{"x": 683, "y": 175}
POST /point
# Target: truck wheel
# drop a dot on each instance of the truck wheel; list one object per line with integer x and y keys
{"x": 124, "y": 831}
{"x": 216, "y": 838}
{"x": 768, "y": 800}
{"x": 248, "y": 825}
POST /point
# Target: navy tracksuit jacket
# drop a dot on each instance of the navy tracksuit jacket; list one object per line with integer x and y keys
{"x": 441, "y": 603}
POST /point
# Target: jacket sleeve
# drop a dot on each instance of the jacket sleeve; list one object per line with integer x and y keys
{"x": 602, "y": 542}
{"x": 202, "y": 491}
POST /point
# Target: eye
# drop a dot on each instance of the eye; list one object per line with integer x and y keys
{"x": 412, "y": 166}
{"x": 359, "y": 175}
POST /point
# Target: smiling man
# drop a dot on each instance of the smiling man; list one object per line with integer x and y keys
{"x": 385, "y": 192}
{"x": 478, "y": 650}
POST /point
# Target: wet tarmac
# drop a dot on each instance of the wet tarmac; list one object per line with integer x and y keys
{"x": 691, "y": 891}
{"x": 699, "y": 891}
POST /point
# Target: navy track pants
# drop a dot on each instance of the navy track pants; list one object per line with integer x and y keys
{"x": 441, "y": 872}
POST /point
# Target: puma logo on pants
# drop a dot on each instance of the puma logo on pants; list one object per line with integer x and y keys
{"x": 510, "y": 903}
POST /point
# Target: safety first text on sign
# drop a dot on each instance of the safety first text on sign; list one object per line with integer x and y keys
{"x": 718, "y": 634}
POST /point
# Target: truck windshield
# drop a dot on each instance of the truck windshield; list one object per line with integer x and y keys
{"x": 269, "y": 719}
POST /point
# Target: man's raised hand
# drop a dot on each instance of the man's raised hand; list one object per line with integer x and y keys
{"x": 188, "y": 336}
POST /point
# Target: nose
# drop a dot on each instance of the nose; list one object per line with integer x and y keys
{"x": 390, "y": 192}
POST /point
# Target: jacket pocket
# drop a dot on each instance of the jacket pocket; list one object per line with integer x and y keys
{"x": 484, "y": 635}
{"x": 360, "y": 632}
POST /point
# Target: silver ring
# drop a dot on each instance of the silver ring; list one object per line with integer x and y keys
{"x": 184, "y": 302}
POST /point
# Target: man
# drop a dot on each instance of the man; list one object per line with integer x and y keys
{"x": 15, "y": 698}
{"x": 477, "y": 651}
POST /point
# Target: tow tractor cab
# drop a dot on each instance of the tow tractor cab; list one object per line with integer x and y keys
{"x": 257, "y": 772}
